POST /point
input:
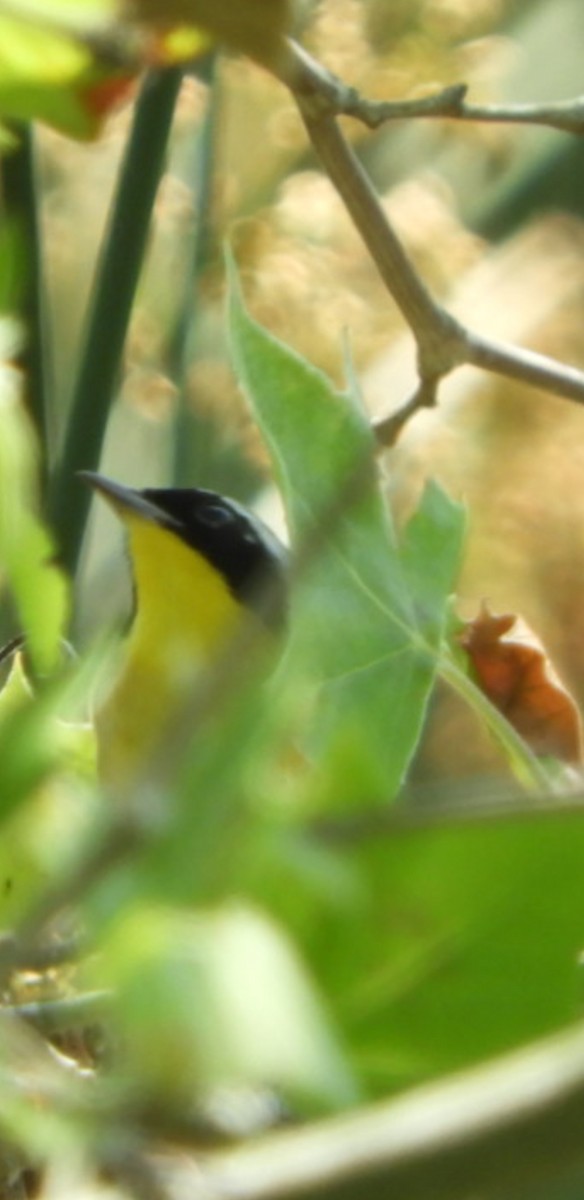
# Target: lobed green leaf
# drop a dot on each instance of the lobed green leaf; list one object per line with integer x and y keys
{"x": 368, "y": 614}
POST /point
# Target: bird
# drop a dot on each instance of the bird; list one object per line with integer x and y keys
{"x": 200, "y": 564}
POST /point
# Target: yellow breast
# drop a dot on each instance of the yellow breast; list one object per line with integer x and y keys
{"x": 185, "y": 612}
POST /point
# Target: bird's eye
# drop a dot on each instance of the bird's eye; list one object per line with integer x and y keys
{"x": 215, "y": 516}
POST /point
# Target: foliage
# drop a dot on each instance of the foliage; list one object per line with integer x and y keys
{"x": 271, "y": 928}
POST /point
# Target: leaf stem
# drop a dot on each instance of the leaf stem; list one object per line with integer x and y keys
{"x": 527, "y": 767}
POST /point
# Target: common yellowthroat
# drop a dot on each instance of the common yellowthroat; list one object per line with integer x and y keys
{"x": 200, "y": 563}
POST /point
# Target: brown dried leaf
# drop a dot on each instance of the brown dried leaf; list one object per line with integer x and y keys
{"x": 513, "y": 670}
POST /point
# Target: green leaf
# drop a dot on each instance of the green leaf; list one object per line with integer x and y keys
{"x": 48, "y": 70}
{"x": 16, "y": 691}
{"x": 465, "y": 944}
{"x": 219, "y": 998}
{"x": 431, "y": 551}
{"x": 47, "y": 773}
{"x": 26, "y": 747}
{"x": 26, "y": 551}
{"x": 46, "y": 815}
{"x": 367, "y": 617}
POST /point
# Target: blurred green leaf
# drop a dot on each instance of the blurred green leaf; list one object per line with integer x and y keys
{"x": 219, "y": 998}
{"x": 252, "y": 26}
{"x": 16, "y": 690}
{"x": 40, "y": 842}
{"x": 26, "y": 743}
{"x": 47, "y": 801}
{"x": 13, "y": 263}
{"x": 49, "y": 72}
{"x": 26, "y": 551}
{"x": 367, "y": 620}
{"x": 465, "y": 942}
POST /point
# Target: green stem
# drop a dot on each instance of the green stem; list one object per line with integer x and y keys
{"x": 118, "y": 272}
{"x": 20, "y": 184}
{"x": 178, "y": 351}
{"x": 527, "y": 767}
{"x": 202, "y": 451}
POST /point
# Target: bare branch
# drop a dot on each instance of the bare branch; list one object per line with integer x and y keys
{"x": 440, "y": 339}
{"x": 304, "y": 74}
{"x": 443, "y": 343}
{"x": 564, "y": 115}
{"x": 525, "y": 365}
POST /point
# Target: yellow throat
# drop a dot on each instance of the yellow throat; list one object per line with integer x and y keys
{"x": 193, "y": 555}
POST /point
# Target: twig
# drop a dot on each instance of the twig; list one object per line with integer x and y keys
{"x": 438, "y": 335}
{"x": 449, "y": 103}
{"x": 507, "y": 1125}
{"x": 388, "y": 429}
{"x": 525, "y": 365}
{"x": 565, "y": 115}
{"x": 443, "y": 343}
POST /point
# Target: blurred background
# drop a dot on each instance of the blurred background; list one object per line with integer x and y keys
{"x": 492, "y": 215}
